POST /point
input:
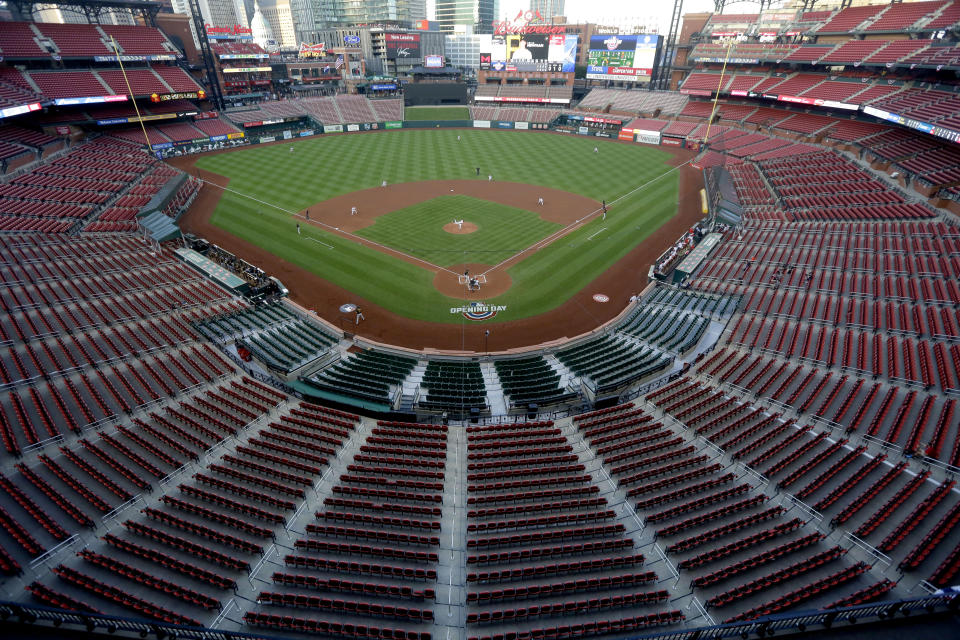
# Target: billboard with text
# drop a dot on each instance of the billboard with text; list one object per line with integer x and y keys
{"x": 540, "y": 52}
{"x": 402, "y": 46}
{"x": 622, "y": 58}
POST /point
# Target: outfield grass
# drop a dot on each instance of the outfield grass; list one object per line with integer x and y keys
{"x": 276, "y": 183}
{"x": 418, "y": 231}
{"x": 436, "y": 113}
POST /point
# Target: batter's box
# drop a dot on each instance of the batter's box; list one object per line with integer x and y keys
{"x": 480, "y": 278}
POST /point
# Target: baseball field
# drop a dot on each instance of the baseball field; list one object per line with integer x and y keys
{"x": 403, "y": 252}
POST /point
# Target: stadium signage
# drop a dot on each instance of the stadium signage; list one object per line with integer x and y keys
{"x": 919, "y": 125}
{"x": 818, "y": 102}
{"x": 521, "y": 99}
{"x": 310, "y": 50}
{"x": 647, "y": 137}
{"x": 383, "y": 87}
{"x": 393, "y": 124}
{"x": 522, "y": 24}
{"x": 244, "y": 56}
{"x": 594, "y": 119}
{"x": 479, "y": 311}
{"x": 9, "y": 112}
{"x": 183, "y": 95}
{"x": 333, "y": 128}
{"x": 89, "y": 100}
{"x": 246, "y": 69}
{"x": 151, "y": 58}
{"x": 236, "y": 31}
{"x": 730, "y": 61}
{"x": 351, "y": 40}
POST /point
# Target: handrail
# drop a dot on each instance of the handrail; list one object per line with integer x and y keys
{"x": 929, "y": 605}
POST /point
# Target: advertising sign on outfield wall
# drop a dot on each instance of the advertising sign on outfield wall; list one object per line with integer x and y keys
{"x": 353, "y": 127}
{"x": 393, "y": 124}
{"x": 647, "y": 137}
{"x": 333, "y": 128}
{"x": 521, "y": 125}
{"x": 625, "y": 134}
{"x": 481, "y": 124}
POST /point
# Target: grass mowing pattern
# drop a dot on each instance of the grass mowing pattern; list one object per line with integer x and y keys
{"x": 436, "y": 113}
{"x": 418, "y": 231}
{"x": 326, "y": 166}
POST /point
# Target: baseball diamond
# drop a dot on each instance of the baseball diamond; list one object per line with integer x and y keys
{"x": 394, "y": 254}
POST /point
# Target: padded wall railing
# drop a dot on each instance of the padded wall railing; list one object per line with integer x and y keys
{"x": 811, "y": 621}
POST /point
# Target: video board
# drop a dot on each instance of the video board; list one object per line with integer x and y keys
{"x": 622, "y": 58}
{"x": 402, "y": 46}
{"x": 528, "y": 52}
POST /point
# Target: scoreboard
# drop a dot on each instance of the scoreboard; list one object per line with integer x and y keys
{"x": 622, "y": 58}
{"x": 539, "y": 52}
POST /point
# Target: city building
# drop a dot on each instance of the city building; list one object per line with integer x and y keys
{"x": 401, "y": 12}
{"x": 278, "y": 14}
{"x": 547, "y": 9}
{"x": 477, "y": 14}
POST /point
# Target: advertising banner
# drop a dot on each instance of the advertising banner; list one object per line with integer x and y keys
{"x": 481, "y": 124}
{"x": 333, "y": 128}
{"x": 539, "y": 52}
{"x": 647, "y": 137}
{"x": 393, "y": 124}
{"x": 268, "y": 139}
{"x": 246, "y": 69}
{"x": 521, "y": 125}
{"x": 402, "y": 46}
{"x": 353, "y": 127}
{"x": 625, "y": 134}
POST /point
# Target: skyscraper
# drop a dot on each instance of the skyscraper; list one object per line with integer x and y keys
{"x": 548, "y": 8}
{"x": 355, "y": 12}
{"x": 477, "y": 14}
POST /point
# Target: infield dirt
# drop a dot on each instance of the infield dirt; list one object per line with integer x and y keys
{"x": 580, "y": 314}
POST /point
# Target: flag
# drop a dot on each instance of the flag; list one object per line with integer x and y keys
{"x": 339, "y": 62}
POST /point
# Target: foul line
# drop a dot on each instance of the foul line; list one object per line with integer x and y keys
{"x": 535, "y": 246}
{"x": 328, "y": 246}
{"x": 330, "y": 228}
{"x": 598, "y": 232}
{"x": 570, "y": 227}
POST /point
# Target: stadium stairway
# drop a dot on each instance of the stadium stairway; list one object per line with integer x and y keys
{"x": 495, "y": 398}
{"x": 408, "y": 389}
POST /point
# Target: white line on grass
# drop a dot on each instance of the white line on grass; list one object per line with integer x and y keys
{"x": 567, "y": 229}
{"x": 602, "y": 229}
{"x": 331, "y": 228}
{"x": 328, "y": 246}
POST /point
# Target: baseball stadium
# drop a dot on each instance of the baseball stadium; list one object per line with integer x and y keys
{"x": 389, "y": 331}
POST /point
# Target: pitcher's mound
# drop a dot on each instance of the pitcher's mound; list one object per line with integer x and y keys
{"x": 468, "y": 227}
{"x": 497, "y": 282}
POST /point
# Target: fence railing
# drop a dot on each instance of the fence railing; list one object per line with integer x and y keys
{"x": 809, "y": 621}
